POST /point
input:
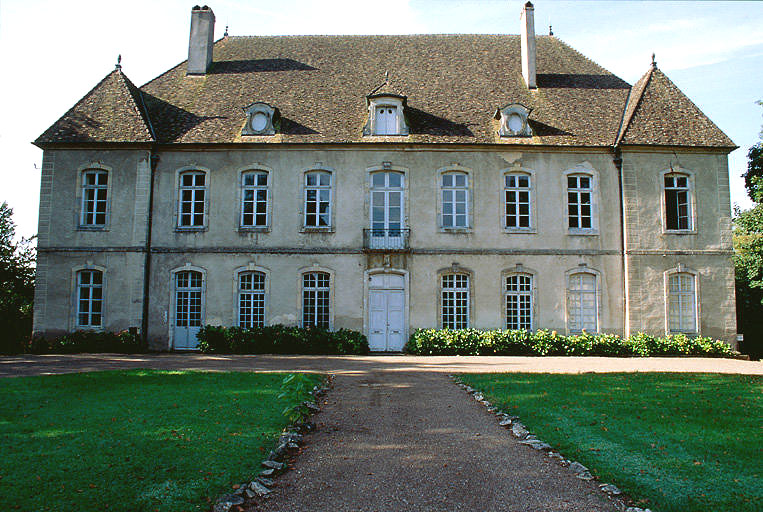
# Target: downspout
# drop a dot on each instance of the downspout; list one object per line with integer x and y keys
{"x": 153, "y": 161}
{"x": 618, "y": 161}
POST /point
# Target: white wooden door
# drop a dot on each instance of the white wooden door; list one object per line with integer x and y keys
{"x": 189, "y": 311}
{"x": 386, "y": 313}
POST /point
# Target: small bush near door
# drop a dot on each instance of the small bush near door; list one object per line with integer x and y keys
{"x": 280, "y": 339}
{"x": 473, "y": 342}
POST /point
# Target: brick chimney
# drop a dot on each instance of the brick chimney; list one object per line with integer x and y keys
{"x": 528, "y": 45}
{"x": 201, "y": 41}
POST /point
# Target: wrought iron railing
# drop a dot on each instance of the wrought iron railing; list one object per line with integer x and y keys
{"x": 386, "y": 239}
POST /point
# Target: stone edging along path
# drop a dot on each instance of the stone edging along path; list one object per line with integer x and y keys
{"x": 518, "y": 430}
{"x": 247, "y": 493}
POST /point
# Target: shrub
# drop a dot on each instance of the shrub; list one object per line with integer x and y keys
{"x": 550, "y": 343}
{"x": 280, "y": 339}
{"x": 124, "y": 342}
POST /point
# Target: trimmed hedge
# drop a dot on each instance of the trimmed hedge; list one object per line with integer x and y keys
{"x": 473, "y": 342}
{"x": 123, "y": 342}
{"x": 280, "y": 339}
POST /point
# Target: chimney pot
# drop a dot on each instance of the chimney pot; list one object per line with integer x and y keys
{"x": 528, "y": 45}
{"x": 201, "y": 41}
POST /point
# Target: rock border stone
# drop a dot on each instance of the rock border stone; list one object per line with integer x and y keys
{"x": 260, "y": 487}
{"x": 518, "y": 430}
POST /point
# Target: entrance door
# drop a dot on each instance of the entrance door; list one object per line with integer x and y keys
{"x": 387, "y": 210}
{"x": 386, "y": 299}
{"x": 189, "y": 314}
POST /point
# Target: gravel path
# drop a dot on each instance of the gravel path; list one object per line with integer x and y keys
{"x": 400, "y": 441}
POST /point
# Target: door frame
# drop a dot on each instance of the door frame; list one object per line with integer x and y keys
{"x": 367, "y": 290}
{"x": 173, "y": 301}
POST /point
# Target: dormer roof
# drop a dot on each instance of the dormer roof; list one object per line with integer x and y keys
{"x": 113, "y": 111}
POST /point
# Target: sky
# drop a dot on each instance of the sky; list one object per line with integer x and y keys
{"x": 52, "y": 53}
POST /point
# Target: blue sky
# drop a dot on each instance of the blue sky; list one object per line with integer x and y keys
{"x": 53, "y": 52}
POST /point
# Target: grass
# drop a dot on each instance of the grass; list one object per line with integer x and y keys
{"x": 677, "y": 442}
{"x": 133, "y": 440}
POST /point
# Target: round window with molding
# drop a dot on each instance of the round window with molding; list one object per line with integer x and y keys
{"x": 515, "y": 123}
{"x": 259, "y": 121}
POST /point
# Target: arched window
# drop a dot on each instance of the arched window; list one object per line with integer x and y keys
{"x": 682, "y": 303}
{"x": 582, "y": 302}
{"x": 519, "y": 301}
{"x": 318, "y": 199}
{"x": 192, "y": 199}
{"x": 517, "y": 200}
{"x": 94, "y": 198}
{"x": 580, "y": 201}
{"x": 251, "y": 299}
{"x": 678, "y": 214}
{"x": 386, "y": 120}
{"x": 316, "y": 299}
{"x": 89, "y": 298}
{"x": 189, "y": 308}
{"x": 254, "y": 199}
{"x": 454, "y": 292}
{"x": 455, "y": 200}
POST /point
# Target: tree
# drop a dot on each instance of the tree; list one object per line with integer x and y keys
{"x": 748, "y": 256}
{"x": 16, "y": 285}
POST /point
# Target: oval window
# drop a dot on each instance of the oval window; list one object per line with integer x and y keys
{"x": 259, "y": 121}
{"x": 515, "y": 123}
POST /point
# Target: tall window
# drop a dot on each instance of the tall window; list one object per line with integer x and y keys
{"x": 582, "y": 302}
{"x": 517, "y": 200}
{"x": 188, "y": 300}
{"x": 251, "y": 299}
{"x": 455, "y": 301}
{"x": 677, "y": 202}
{"x": 89, "y": 298}
{"x": 254, "y": 199}
{"x": 579, "y": 193}
{"x": 386, "y": 120}
{"x": 193, "y": 190}
{"x": 94, "y": 192}
{"x": 455, "y": 200}
{"x": 519, "y": 301}
{"x": 682, "y": 303}
{"x": 315, "y": 299}
{"x": 318, "y": 199}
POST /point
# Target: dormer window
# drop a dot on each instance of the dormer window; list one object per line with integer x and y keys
{"x": 385, "y": 115}
{"x": 514, "y": 121}
{"x": 261, "y": 119}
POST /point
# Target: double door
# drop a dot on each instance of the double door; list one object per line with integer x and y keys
{"x": 386, "y": 300}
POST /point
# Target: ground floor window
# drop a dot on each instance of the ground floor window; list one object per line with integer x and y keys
{"x": 519, "y": 301}
{"x": 188, "y": 288}
{"x": 315, "y": 299}
{"x": 251, "y": 299}
{"x": 582, "y": 302}
{"x": 455, "y": 301}
{"x": 682, "y": 303}
{"x": 89, "y": 298}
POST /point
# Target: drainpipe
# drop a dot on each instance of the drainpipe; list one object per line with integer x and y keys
{"x": 153, "y": 161}
{"x": 618, "y": 161}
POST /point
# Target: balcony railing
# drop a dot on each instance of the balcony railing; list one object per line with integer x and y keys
{"x": 386, "y": 239}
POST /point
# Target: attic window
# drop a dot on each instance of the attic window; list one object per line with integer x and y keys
{"x": 385, "y": 116}
{"x": 514, "y": 119}
{"x": 261, "y": 119}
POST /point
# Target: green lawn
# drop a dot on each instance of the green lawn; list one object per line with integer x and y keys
{"x": 679, "y": 442}
{"x": 133, "y": 440}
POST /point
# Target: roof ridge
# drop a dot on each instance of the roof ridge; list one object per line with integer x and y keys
{"x": 627, "y": 118}
{"x": 142, "y": 112}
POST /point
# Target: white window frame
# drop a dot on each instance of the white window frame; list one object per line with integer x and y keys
{"x": 305, "y": 291}
{"x": 453, "y": 189}
{"x": 373, "y": 127}
{"x": 578, "y": 191}
{"x": 255, "y": 188}
{"x": 690, "y": 196}
{"x": 90, "y": 300}
{"x": 318, "y": 188}
{"x": 519, "y": 294}
{"x": 449, "y": 293}
{"x": 516, "y": 189}
{"x": 379, "y": 126}
{"x": 571, "y": 293}
{"x": 254, "y": 295}
{"x": 194, "y": 189}
{"x": 200, "y": 289}
{"x": 679, "y": 272}
{"x": 97, "y": 189}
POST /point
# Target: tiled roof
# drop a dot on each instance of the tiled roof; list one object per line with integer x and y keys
{"x": 453, "y": 84}
{"x": 658, "y": 113}
{"x": 113, "y": 111}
